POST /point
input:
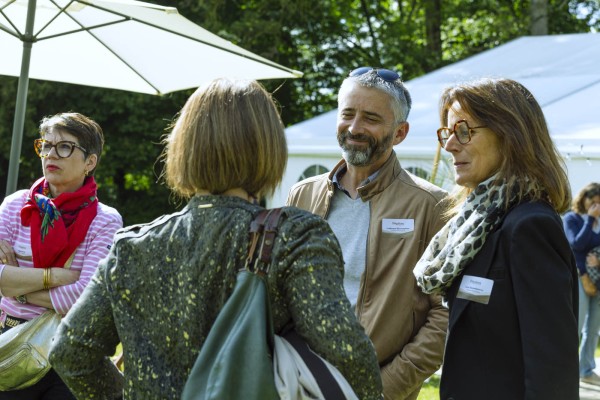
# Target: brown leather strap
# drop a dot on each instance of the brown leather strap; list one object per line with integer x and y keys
{"x": 265, "y": 227}
{"x": 256, "y": 229}
{"x": 270, "y": 232}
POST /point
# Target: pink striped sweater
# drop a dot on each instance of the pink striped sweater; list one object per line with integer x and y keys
{"x": 94, "y": 248}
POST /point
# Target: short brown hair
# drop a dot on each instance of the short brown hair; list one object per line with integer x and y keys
{"x": 589, "y": 191}
{"x": 530, "y": 158}
{"x": 228, "y": 135}
{"x": 86, "y": 130}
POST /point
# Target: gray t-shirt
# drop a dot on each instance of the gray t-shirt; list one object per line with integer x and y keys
{"x": 349, "y": 220}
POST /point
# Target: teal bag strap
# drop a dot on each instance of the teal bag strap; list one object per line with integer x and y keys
{"x": 235, "y": 361}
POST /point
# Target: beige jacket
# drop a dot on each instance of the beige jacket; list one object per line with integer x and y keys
{"x": 407, "y": 327}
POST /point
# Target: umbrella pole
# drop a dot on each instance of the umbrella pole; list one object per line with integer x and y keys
{"x": 19, "y": 122}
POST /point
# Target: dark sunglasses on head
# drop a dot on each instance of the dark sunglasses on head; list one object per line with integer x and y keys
{"x": 385, "y": 74}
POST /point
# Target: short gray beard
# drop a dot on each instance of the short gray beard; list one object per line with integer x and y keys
{"x": 359, "y": 157}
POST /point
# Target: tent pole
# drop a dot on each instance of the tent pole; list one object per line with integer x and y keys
{"x": 436, "y": 163}
{"x": 23, "y": 86}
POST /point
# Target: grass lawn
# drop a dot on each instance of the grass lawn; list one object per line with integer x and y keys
{"x": 430, "y": 390}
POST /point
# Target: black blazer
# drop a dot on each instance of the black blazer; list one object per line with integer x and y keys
{"x": 524, "y": 343}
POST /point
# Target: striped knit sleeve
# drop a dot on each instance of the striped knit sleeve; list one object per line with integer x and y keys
{"x": 10, "y": 215}
{"x": 94, "y": 248}
{"x": 10, "y": 212}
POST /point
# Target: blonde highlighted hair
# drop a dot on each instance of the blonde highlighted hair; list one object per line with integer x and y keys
{"x": 228, "y": 135}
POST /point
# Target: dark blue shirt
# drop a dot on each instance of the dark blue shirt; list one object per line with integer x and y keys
{"x": 581, "y": 236}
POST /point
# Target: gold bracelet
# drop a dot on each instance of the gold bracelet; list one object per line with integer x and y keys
{"x": 46, "y": 278}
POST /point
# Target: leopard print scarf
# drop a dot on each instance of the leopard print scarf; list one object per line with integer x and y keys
{"x": 459, "y": 241}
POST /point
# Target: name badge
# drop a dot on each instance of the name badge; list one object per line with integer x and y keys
{"x": 397, "y": 226}
{"x": 475, "y": 288}
{"x": 23, "y": 252}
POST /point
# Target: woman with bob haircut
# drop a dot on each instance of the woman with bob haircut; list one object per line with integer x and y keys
{"x": 503, "y": 262}
{"x": 164, "y": 283}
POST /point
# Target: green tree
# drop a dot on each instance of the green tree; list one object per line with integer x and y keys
{"x": 324, "y": 39}
{"x": 133, "y": 126}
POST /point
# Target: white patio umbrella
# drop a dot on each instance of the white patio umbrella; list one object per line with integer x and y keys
{"x": 118, "y": 44}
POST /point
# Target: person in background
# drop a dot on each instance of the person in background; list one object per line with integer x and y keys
{"x": 582, "y": 226}
{"x": 164, "y": 283}
{"x": 383, "y": 217}
{"x": 56, "y": 222}
{"x": 502, "y": 261}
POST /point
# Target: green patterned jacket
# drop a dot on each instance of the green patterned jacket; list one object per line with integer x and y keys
{"x": 163, "y": 284}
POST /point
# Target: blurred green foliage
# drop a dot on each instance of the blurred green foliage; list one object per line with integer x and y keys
{"x": 323, "y": 39}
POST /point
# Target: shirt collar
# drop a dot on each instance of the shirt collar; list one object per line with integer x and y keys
{"x": 342, "y": 169}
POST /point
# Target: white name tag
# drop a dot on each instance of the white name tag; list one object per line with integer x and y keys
{"x": 23, "y": 250}
{"x": 475, "y": 288}
{"x": 398, "y": 226}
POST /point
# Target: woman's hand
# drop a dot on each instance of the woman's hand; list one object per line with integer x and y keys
{"x": 7, "y": 254}
{"x": 594, "y": 210}
{"x": 588, "y": 286}
{"x": 592, "y": 260}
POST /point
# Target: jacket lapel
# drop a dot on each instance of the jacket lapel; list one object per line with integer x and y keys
{"x": 479, "y": 267}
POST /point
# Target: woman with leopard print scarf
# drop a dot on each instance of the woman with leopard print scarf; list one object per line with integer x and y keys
{"x": 502, "y": 261}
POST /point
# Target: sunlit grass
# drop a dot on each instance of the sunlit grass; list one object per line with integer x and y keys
{"x": 430, "y": 390}
{"x": 118, "y": 353}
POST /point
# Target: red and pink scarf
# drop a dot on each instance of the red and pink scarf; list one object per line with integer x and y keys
{"x": 58, "y": 225}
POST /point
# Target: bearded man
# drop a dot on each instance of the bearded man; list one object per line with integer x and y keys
{"x": 383, "y": 217}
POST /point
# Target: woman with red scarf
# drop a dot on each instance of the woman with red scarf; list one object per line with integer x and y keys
{"x": 53, "y": 235}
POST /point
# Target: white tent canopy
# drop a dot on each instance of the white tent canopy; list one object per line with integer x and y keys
{"x": 562, "y": 72}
